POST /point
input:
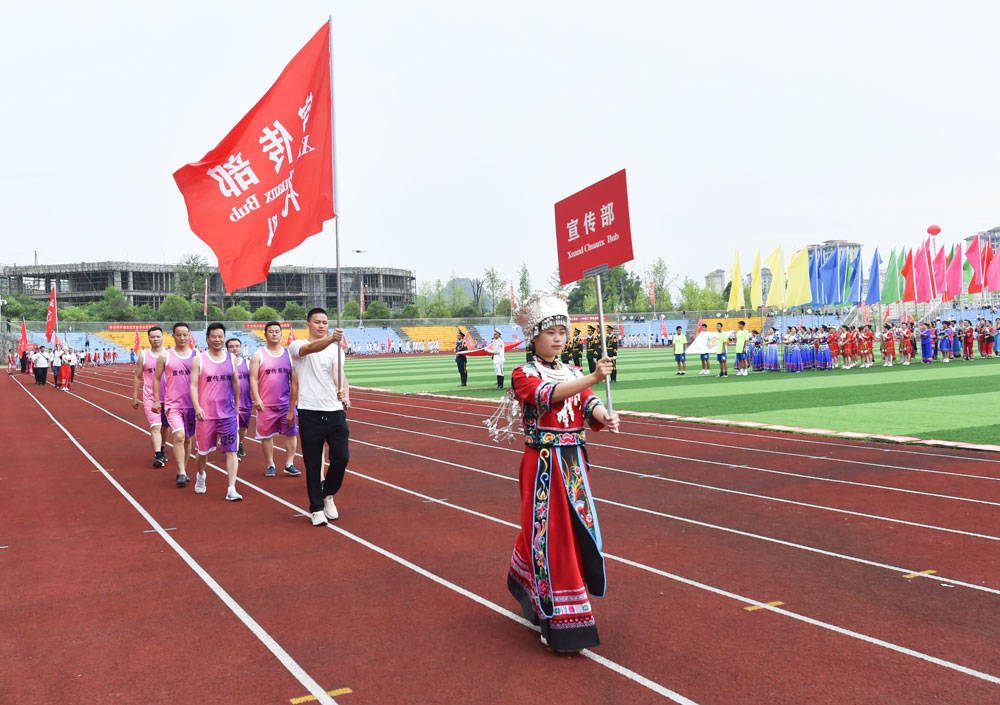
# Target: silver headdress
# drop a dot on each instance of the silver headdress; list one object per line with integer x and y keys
{"x": 542, "y": 310}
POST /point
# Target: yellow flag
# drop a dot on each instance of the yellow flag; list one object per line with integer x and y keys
{"x": 755, "y": 285}
{"x": 798, "y": 292}
{"x": 736, "y": 289}
{"x": 776, "y": 263}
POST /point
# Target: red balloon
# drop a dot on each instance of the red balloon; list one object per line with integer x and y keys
{"x": 933, "y": 230}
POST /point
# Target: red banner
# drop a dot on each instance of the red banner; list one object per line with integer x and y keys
{"x": 259, "y": 325}
{"x": 51, "y": 316}
{"x": 131, "y": 326}
{"x": 22, "y": 344}
{"x": 592, "y": 229}
{"x": 269, "y": 184}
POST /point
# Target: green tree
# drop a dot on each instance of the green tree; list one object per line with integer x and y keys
{"x": 377, "y": 310}
{"x": 74, "y": 313}
{"x": 191, "y": 272}
{"x": 697, "y": 298}
{"x": 503, "y": 308}
{"x": 465, "y": 311}
{"x": 236, "y": 313}
{"x": 494, "y": 287}
{"x": 524, "y": 282}
{"x": 215, "y": 313}
{"x": 641, "y": 304}
{"x": 293, "y": 311}
{"x": 264, "y": 313}
{"x": 438, "y": 309}
{"x": 410, "y": 311}
{"x": 351, "y": 311}
{"x": 145, "y": 313}
{"x": 662, "y": 279}
{"x": 175, "y": 308}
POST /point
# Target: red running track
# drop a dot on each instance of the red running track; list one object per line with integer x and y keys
{"x": 678, "y": 583}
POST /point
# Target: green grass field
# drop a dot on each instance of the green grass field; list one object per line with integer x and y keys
{"x": 955, "y": 401}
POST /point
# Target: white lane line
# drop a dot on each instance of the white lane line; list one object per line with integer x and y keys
{"x": 258, "y": 631}
{"x": 726, "y": 465}
{"x": 601, "y": 660}
{"x": 706, "y": 487}
{"x": 640, "y": 566}
{"x": 643, "y": 509}
{"x": 720, "y": 430}
{"x": 599, "y": 444}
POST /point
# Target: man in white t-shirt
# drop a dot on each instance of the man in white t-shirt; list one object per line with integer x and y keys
{"x": 40, "y": 361}
{"x": 324, "y": 397}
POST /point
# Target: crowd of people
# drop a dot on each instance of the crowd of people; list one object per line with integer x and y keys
{"x": 61, "y": 359}
{"x": 800, "y": 348}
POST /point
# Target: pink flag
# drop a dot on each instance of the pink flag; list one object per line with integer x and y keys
{"x": 953, "y": 283}
{"x": 976, "y": 261}
{"x": 940, "y": 271}
{"x": 663, "y": 328}
{"x": 992, "y": 276}
{"x": 923, "y": 285}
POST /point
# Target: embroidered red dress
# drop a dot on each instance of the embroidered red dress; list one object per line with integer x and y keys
{"x": 557, "y": 558}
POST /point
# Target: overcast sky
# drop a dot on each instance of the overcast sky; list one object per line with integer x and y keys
{"x": 741, "y": 125}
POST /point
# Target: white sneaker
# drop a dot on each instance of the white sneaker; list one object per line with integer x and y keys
{"x": 199, "y": 483}
{"x": 232, "y": 495}
{"x": 318, "y": 519}
{"x": 330, "y": 509}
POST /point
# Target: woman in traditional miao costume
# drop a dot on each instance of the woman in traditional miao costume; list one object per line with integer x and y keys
{"x": 757, "y": 354}
{"x": 888, "y": 346}
{"x": 906, "y": 344}
{"x": 824, "y": 360}
{"x": 557, "y": 557}
{"x": 945, "y": 344}
{"x": 833, "y": 341}
{"x": 807, "y": 349}
{"x": 788, "y": 341}
{"x": 772, "y": 360}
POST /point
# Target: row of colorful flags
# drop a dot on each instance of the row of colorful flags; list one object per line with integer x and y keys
{"x": 920, "y": 275}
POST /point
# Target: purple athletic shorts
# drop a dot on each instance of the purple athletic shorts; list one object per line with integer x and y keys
{"x": 218, "y": 434}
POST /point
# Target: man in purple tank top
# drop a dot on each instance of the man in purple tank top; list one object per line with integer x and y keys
{"x": 235, "y": 348}
{"x": 145, "y": 369}
{"x": 172, "y": 384}
{"x": 274, "y": 386}
{"x": 215, "y": 394}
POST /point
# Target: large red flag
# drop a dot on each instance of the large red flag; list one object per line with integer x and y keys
{"x": 51, "y": 316}
{"x": 988, "y": 257}
{"x": 940, "y": 271}
{"x": 269, "y": 184}
{"x": 621, "y": 330}
{"x": 975, "y": 261}
{"x": 663, "y": 328}
{"x": 922, "y": 277}
{"x": 953, "y": 283}
{"x": 135, "y": 344}
{"x": 992, "y": 276}
{"x": 909, "y": 292}
{"x": 22, "y": 344}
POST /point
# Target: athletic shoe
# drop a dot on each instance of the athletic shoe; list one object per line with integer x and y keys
{"x": 182, "y": 480}
{"x": 199, "y": 483}
{"x": 158, "y": 462}
{"x": 292, "y": 470}
{"x": 330, "y": 509}
{"x": 318, "y": 519}
{"x": 271, "y": 472}
{"x": 232, "y": 495}
{"x": 240, "y": 452}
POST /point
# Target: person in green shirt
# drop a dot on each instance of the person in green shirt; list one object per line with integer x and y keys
{"x": 680, "y": 357}
{"x": 720, "y": 350}
{"x": 741, "y": 349}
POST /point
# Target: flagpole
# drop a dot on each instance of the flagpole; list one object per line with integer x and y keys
{"x": 604, "y": 340}
{"x": 336, "y": 212}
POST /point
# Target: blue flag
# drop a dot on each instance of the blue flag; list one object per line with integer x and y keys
{"x": 814, "y": 287}
{"x": 854, "y": 286}
{"x": 832, "y": 286}
{"x": 874, "y": 284}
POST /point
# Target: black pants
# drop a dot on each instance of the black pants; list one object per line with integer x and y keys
{"x": 41, "y": 375}
{"x": 591, "y": 363}
{"x": 462, "y": 372}
{"x": 315, "y": 429}
{"x": 72, "y": 373}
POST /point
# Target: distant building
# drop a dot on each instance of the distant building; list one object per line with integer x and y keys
{"x": 716, "y": 280}
{"x": 849, "y": 249}
{"x": 151, "y": 283}
{"x": 992, "y": 236}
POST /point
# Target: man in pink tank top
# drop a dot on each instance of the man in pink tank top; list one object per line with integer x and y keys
{"x": 274, "y": 386}
{"x": 215, "y": 394}
{"x": 173, "y": 376}
{"x": 235, "y": 348}
{"x": 145, "y": 370}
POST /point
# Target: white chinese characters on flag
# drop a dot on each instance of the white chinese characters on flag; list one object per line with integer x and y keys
{"x": 269, "y": 184}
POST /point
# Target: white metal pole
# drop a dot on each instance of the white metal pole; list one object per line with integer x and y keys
{"x": 336, "y": 207}
{"x": 604, "y": 340}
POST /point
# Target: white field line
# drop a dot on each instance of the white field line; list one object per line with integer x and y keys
{"x": 756, "y": 451}
{"x": 249, "y": 622}
{"x": 640, "y": 566}
{"x": 673, "y": 516}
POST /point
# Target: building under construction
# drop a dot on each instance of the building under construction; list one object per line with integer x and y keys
{"x": 151, "y": 283}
